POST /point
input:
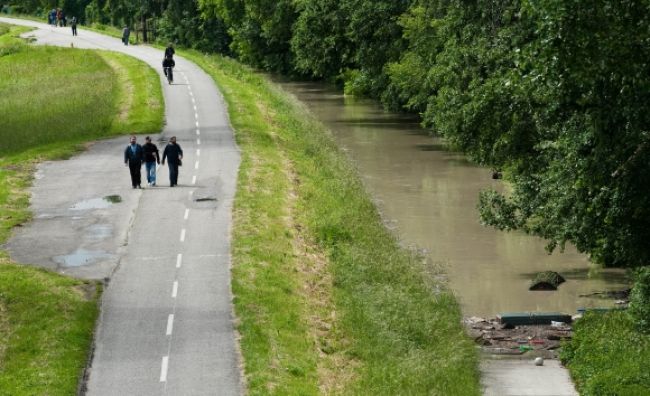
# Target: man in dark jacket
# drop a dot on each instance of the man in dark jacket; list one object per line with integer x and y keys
{"x": 133, "y": 158}
{"x": 174, "y": 154}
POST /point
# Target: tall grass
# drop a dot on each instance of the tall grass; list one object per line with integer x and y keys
{"x": 327, "y": 300}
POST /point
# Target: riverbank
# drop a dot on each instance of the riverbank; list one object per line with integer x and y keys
{"x": 327, "y": 300}
{"x": 54, "y": 101}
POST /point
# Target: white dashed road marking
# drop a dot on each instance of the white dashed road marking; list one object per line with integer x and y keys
{"x": 170, "y": 324}
{"x": 163, "y": 369}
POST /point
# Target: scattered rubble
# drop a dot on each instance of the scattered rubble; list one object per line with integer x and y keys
{"x": 499, "y": 339}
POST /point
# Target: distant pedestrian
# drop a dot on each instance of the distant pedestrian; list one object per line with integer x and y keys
{"x": 174, "y": 154}
{"x": 133, "y": 158}
{"x": 151, "y": 158}
{"x": 125, "y": 35}
{"x": 59, "y": 15}
{"x": 73, "y": 25}
{"x": 52, "y": 17}
{"x": 64, "y": 19}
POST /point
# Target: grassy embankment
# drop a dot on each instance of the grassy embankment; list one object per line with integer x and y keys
{"x": 608, "y": 356}
{"x": 327, "y": 301}
{"x": 53, "y": 100}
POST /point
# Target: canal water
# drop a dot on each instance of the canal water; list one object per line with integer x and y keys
{"x": 430, "y": 194}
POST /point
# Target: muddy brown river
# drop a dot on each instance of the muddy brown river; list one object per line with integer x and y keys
{"x": 429, "y": 195}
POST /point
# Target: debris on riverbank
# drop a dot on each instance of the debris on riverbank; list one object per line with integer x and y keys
{"x": 499, "y": 339}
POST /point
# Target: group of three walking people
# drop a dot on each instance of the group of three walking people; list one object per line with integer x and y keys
{"x": 135, "y": 155}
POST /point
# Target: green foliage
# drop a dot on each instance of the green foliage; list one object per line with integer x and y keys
{"x": 260, "y": 30}
{"x": 607, "y": 356}
{"x": 322, "y": 48}
{"x": 640, "y": 300}
{"x": 330, "y": 37}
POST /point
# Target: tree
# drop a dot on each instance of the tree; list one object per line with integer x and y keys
{"x": 260, "y": 30}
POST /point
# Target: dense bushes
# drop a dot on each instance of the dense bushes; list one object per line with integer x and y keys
{"x": 607, "y": 356}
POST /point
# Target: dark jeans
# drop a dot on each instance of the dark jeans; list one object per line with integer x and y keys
{"x": 74, "y": 30}
{"x": 134, "y": 168}
{"x": 173, "y": 173}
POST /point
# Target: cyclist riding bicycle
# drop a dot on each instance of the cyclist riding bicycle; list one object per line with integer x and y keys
{"x": 168, "y": 63}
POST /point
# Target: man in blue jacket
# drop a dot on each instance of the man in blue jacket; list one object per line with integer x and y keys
{"x": 133, "y": 158}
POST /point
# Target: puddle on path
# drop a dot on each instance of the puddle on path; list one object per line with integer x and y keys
{"x": 97, "y": 203}
{"x": 81, "y": 257}
{"x": 99, "y": 231}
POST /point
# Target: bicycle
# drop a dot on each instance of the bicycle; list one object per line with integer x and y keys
{"x": 168, "y": 66}
{"x": 169, "y": 74}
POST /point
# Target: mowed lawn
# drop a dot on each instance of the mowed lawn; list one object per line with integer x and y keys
{"x": 52, "y": 101}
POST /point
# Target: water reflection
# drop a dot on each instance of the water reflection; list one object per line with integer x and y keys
{"x": 431, "y": 194}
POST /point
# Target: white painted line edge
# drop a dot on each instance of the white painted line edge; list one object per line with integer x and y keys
{"x": 179, "y": 260}
{"x": 196, "y": 165}
{"x": 183, "y": 235}
{"x": 175, "y": 289}
{"x": 187, "y": 213}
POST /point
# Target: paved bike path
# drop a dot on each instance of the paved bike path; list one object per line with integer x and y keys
{"x": 166, "y": 324}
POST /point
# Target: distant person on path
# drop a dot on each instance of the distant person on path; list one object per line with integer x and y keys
{"x": 133, "y": 158}
{"x": 174, "y": 154}
{"x": 59, "y": 15}
{"x": 73, "y": 25}
{"x": 52, "y": 17}
{"x": 125, "y": 35}
{"x": 151, "y": 158}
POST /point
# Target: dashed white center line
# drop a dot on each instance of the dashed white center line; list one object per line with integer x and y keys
{"x": 163, "y": 369}
{"x": 170, "y": 324}
{"x": 194, "y": 108}
{"x": 196, "y": 165}
{"x": 198, "y": 142}
{"x": 193, "y": 179}
{"x": 183, "y": 235}
{"x": 198, "y": 152}
{"x": 187, "y": 213}
{"x": 175, "y": 289}
{"x": 193, "y": 101}
{"x": 197, "y": 124}
{"x": 179, "y": 260}
{"x": 198, "y": 131}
